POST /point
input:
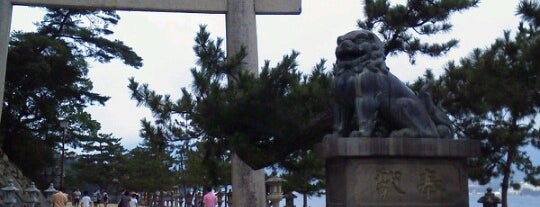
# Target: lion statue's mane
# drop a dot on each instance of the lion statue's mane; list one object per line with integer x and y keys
{"x": 368, "y": 95}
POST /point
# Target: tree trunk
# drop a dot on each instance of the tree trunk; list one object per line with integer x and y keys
{"x": 506, "y": 176}
{"x": 305, "y": 199}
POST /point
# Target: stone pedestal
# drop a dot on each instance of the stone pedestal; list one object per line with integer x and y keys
{"x": 396, "y": 172}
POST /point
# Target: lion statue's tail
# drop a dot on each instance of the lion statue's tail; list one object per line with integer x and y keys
{"x": 436, "y": 112}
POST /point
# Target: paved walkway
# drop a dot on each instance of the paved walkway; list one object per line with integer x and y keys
{"x": 101, "y": 205}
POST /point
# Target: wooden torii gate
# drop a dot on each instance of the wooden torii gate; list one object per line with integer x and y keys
{"x": 249, "y": 189}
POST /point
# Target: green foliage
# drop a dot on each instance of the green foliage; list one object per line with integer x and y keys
{"x": 304, "y": 174}
{"x": 197, "y": 158}
{"x": 262, "y": 118}
{"x": 85, "y": 30}
{"x": 99, "y": 163}
{"x": 149, "y": 165}
{"x": 492, "y": 96}
{"x": 399, "y": 24}
{"x": 205, "y": 167}
{"x": 46, "y": 80}
{"x": 148, "y": 170}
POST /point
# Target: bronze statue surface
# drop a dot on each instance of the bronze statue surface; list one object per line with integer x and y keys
{"x": 370, "y": 100}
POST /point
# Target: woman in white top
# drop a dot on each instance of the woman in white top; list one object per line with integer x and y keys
{"x": 85, "y": 200}
{"x": 133, "y": 202}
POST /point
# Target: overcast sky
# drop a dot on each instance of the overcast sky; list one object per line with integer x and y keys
{"x": 164, "y": 41}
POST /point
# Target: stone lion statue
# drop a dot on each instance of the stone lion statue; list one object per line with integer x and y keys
{"x": 367, "y": 95}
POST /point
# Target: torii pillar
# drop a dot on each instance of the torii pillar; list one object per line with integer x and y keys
{"x": 241, "y": 29}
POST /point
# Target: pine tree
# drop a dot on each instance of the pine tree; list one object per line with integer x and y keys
{"x": 492, "y": 95}
{"x": 145, "y": 168}
{"x": 263, "y": 118}
{"x": 205, "y": 167}
{"x": 99, "y": 163}
{"x": 46, "y": 80}
{"x": 304, "y": 173}
{"x": 401, "y": 25}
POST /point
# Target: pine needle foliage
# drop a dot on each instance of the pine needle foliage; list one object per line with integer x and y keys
{"x": 262, "y": 117}
{"x": 492, "y": 96}
{"x": 401, "y": 25}
{"x": 47, "y": 80}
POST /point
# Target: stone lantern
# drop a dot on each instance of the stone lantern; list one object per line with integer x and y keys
{"x": 275, "y": 194}
{"x": 49, "y": 192}
{"x": 33, "y": 194}
{"x": 8, "y": 193}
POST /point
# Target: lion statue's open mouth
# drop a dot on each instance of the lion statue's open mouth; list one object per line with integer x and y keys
{"x": 367, "y": 94}
{"x": 347, "y": 50}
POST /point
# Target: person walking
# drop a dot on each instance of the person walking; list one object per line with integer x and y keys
{"x": 97, "y": 198}
{"x": 133, "y": 201}
{"x": 105, "y": 199}
{"x": 125, "y": 200}
{"x": 76, "y": 197}
{"x": 209, "y": 199}
{"x": 59, "y": 199}
{"x": 85, "y": 201}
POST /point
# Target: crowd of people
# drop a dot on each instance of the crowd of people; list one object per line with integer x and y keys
{"x": 85, "y": 199}
{"x": 96, "y": 199}
{"x": 126, "y": 199}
